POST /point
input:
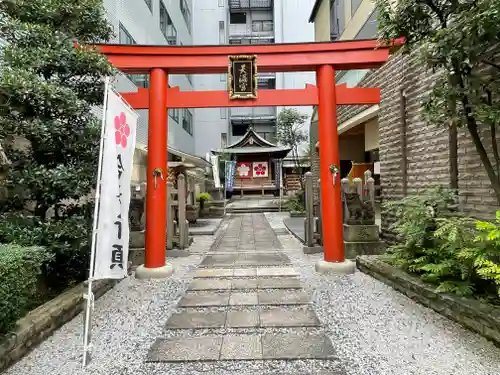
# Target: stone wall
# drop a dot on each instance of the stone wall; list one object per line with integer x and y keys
{"x": 40, "y": 323}
{"x": 427, "y": 145}
{"x": 479, "y": 317}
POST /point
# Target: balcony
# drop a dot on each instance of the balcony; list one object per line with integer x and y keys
{"x": 237, "y": 5}
{"x": 241, "y": 114}
{"x": 251, "y": 40}
{"x": 258, "y": 29}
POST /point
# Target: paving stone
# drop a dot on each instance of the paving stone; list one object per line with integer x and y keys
{"x": 282, "y": 297}
{"x": 219, "y": 259}
{"x": 245, "y": 272}
{"x": 185, "y": 349}
{"x": 204, "y": 299}
{"x": 241, "y": 347}
{"x": 210, "y": 284}
{"x": 294, "y": 346}
{"x": 268, "y": 259}
{"x": 276, "y": 271}
{"x": 196, "y": 319}
{"x": 242, "y": 319}
{"x": 279, "y": 317}
{"x": 243, "y": 284}
{"x": 214, "y": 272}
{"x": 279, "y": 283}
{"x": 239, "y": 299}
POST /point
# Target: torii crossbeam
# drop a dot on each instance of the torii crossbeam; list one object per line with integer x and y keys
{"x": 323, "y": 58}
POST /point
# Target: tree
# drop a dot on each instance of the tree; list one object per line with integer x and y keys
{"x": 290, "y": 133}
{"x": 458, "y": 39}
{"x": 50, "y": 135}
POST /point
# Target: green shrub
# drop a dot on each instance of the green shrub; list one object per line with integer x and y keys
{"x": 20, "y": 268}
{"x": 203, "y": 197}
{"x": 458, "y": 254}
{"x": 67, "y": 240}
{"x": 296, "y": 202}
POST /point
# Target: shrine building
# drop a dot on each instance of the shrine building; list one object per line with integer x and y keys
{"x": 257, "y": 164}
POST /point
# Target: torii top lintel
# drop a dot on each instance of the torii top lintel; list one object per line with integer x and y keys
{"x": 293, "y": 57}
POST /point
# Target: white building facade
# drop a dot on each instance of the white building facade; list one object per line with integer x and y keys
{"x": 212, "y": 22}
{"x": 156, "y": 22}
{"x": 243, "y": 22}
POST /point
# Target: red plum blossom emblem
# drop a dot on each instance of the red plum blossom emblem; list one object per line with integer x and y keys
{"x": 122, "y": 130}
{"x": 260, "y": 169}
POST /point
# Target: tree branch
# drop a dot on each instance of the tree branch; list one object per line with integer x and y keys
{"x": 487, "y": 62}
{"x": 493, "y": 135}
{"x": 439, "y": 13}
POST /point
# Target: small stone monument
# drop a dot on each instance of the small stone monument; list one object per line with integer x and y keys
{"x": 361, "y": 234}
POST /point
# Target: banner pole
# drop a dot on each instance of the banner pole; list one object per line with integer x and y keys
{"x": 225, "y": 185}
{"x": 89, "y": 297}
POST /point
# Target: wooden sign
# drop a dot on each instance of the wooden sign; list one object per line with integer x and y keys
{"x": 242, "y": 77}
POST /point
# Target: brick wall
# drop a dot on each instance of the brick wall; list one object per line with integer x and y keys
{"x": 427, "y": 145}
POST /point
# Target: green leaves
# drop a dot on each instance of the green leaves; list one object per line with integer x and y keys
{"x": 458, "y": 39}
{"x": 48, "y": 90}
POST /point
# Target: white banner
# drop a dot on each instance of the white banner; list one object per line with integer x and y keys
{"x": 214, "y": 160}
{"x": 111, "y": 254}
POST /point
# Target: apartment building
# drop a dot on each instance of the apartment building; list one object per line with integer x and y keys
{"x": 246, "y": 22}
{"x": 406, "y": 153}
{"x": 156, "y": 22}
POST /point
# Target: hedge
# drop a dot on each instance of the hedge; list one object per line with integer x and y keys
{"x": 20, "y": 268}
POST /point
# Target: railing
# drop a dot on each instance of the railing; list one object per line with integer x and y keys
{"x": 235, "y": 5}
{"x": 243, "y": 112}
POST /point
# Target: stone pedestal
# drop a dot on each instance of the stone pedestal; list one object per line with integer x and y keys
{"x": 362, "y": 240}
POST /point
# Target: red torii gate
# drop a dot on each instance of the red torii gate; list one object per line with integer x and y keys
{"x": 323, "y": 58}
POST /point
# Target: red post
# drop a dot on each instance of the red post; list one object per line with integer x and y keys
{"x": 331, "y": 207}
{"x": 156, "y": 191}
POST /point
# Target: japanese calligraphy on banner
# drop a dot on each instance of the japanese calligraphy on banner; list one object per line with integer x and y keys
{"x": 111, "y": 254}
{"x": 230, "y": 169}
{"x": 242, "y": 77}
{"x": 277, "y": 172}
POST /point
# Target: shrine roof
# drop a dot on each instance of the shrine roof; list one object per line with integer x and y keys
{"x": 251, "y": 139}
{"x": 252, "y": 143}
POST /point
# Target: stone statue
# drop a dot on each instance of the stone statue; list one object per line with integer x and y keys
{"x": 360, "y": 213}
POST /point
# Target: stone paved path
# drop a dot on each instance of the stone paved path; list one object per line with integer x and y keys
{"x": 245, "y": 303}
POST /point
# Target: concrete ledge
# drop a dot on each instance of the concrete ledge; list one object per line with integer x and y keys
{"x": 472, "y": 314}
{"x": 154, "y": 273}
{"x": 346, "y": 267}
{"x": 312, "y": 249}
{"x": 40, "y": 323}
{"x": 297, "y": 232}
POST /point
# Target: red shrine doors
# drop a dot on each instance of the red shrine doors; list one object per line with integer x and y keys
{"x": 323, "y": 58}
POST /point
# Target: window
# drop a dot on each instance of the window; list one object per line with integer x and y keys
{"x": 190, "y": 78}
{"x": 223, "y": 140}
{"x": 167, "y": 26}
{"x": 238, "y": 18}
{"x": 223, "y": 77}
{"x": 186, "y": 13}
{"x": 266, "y": 83}
{"x": 222, "y": 33}
{"x": 187, "y": 121}
{"x": 262, "y": 26}
{"x": 140, "y": 80}
{"x": 221, "y": 3}
{"x": 149, "y": 3}
{"x": 125, "y": 37}
{"x": 174, "y": 113}
{"x": 223, "y": 113}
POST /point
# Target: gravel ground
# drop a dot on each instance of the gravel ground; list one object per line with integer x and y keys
{"x": 374, "y": 329}
{"x": 377, "y": 330}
